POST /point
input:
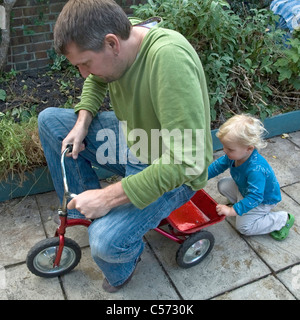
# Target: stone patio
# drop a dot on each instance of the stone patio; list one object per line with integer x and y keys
{"x": 238, "y": 268}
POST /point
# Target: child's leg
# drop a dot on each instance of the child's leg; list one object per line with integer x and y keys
{"x": 228, "y": 188}
{"x": 261, "y": 220}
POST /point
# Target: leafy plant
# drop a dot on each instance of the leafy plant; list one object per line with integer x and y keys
{"x": 242, "y": 8}
{"x": 20, "y": 147}
{"x": 2, "y": 95}
{"x": 61, "y": 63}
{"x": 7, "y": 76}
{"x": 289, "y": 64}
{"x": 238, "y": 53}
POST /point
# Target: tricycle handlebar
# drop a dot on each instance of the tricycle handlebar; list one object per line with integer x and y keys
{"x": 67, "y": 193}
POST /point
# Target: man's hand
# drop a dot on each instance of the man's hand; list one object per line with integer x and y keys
{"x": 90, "y": 203}
{"x": 78, "y": 133}
{"x": 222, "y": 209}
{"x": 97, "y": 203}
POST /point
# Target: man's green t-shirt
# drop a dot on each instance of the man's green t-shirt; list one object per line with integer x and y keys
{"x": 163, "y": 100}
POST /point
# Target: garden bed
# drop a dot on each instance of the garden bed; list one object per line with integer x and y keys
{"x": 22, "y": 97}
{"x": 39, "y": 90}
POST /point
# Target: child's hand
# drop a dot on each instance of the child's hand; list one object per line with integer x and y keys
{"x": 222, "y": 209}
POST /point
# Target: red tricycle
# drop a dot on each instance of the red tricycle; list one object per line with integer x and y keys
{"x": 55, "y": 256}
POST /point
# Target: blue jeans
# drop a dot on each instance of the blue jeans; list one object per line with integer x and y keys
{"x": 116, "y": 239}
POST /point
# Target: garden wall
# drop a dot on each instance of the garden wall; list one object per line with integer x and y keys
{"x": 32, "y": 25}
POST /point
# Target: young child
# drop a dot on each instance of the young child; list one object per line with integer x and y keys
{"x": 252, "y": 188}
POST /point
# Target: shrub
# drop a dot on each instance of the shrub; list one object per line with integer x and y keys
{"x": 249, "y": 67}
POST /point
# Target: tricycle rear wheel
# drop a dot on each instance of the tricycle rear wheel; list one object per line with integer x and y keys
{"x": 194, "y": 249}
{"x": 41, "y": 257}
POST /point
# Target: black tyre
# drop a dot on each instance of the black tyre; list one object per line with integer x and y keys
{"x": 194, "y": 249}
{"x": 41, "y": 257}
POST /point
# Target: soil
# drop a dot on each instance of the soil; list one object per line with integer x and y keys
{"x": 38, "y": 90}
{"x": 42, "y": 89}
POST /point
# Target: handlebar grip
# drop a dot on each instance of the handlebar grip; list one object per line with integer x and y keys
{"x": 70, "y": 147}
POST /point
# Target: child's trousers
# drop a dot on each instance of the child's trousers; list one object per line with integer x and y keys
{"x": 260, "y": 220}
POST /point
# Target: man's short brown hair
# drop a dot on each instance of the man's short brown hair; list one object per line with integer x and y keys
{"x": 87, "y": 22}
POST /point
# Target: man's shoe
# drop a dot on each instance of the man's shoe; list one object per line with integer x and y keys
{"x": 111, "y": 289}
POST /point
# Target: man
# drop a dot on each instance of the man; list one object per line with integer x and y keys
{"x": 159, "y": 96}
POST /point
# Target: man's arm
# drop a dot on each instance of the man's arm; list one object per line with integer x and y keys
{"x": 92, "y": 203}
{"x": 78, "y": 133}
{"x": 97, "y": 203}
{"x": 93, "y": 93}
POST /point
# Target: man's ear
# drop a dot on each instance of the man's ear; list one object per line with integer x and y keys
{"x": 113, "y": 43}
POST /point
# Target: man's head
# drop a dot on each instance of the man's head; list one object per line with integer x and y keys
{"x": 85, "y": 23}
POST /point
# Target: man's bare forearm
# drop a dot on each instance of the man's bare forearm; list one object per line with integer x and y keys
{"x": 116, "y": 195}
{"x": 98, "y": 202}
{"x": 78, "y": 133}
{"x": 84, "y": 119}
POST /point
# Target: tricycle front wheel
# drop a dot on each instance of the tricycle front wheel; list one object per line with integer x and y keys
{"x": 41, "y": 257}
{"x": 194, "y": 249}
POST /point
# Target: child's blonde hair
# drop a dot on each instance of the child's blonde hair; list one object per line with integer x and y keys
{"x": 245, "y": 130}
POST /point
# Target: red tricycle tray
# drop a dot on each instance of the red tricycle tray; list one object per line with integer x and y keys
{"x": 185, "y": 227}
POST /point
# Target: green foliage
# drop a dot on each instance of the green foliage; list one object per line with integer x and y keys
{"x": 244, "y": 57}
{"x": 6, "y": 77}
{"x": 19, "y": 145}
{"x": 66, "y": 82}
{"x": 289, "y": 64}
{"x": 2, "y": 95}
{"x": 61, "y": 63}
{"x": 242, "y": 8}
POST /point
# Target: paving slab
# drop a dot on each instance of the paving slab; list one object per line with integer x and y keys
{"x": 291, "y": 279}
{"x": 230, "y": 264}
{"x": 283, "y": 156}
{"x": 238, "y": 268}
{"x": 21, "y": 228}
{"x": 21, "y": 284}
{"x": 268, "y": 288}
{"x": 295, "y": 138}
{"x": 293, "y": 191}
{"x": 148, "y": 283}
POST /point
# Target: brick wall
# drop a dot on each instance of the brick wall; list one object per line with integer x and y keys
{"x": 32, "y": 32}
